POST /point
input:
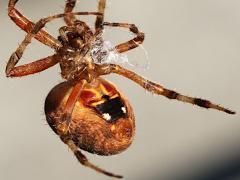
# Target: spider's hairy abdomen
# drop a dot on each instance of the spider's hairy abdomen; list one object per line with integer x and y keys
{"x": 89, "y": 130}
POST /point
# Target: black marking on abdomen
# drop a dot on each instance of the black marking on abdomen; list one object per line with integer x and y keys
{"x": 112, "y": 109}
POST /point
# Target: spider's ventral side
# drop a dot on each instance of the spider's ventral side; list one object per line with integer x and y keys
{"x": 86, "y": 111}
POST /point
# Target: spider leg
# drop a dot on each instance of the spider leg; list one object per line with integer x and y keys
{"x": 30, "y": 68}
{"x": 63, "y": 129}
{"x": 100, "y": 18}
{"x": 131, "y": 44}
{"x": 16, "y": 56}
{"x": 69, "y": 106}
{"x": 83, "y": 160}
{"x": 63, "y": 30}
{"x": 159, "y": 89}
{"x": 27, "y": 26}
{"x": 69, "y": 19}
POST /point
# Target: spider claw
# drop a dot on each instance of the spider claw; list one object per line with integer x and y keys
{"x": 229, "y": 111}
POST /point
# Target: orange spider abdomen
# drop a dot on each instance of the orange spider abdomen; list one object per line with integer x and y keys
{"x": 102, "y": 120}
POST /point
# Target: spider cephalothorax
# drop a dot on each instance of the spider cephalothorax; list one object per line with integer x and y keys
{"x": 75, "y": 54}
{"x": 86, "y": 111}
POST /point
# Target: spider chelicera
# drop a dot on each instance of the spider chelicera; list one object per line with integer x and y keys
{"x": 86, "y": 111}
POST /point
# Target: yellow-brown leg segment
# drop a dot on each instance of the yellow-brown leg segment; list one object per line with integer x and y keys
{"x": 159, "y": 89}
{"x": 84, "y": 161}
{"x": 68, "y": 109}
{"x": 69, "y": 19}
{"x": 30, "y": 68}
{"x": 133, "y": 43}
{"x": 100, "y": 18}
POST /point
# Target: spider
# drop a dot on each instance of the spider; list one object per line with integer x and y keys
{"x": 86, "y": 111}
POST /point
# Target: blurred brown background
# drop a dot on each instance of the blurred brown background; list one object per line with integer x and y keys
{"x": 193, "y": 47}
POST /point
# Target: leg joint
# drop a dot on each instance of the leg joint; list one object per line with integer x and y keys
{"x": 134, "y": 28}
{"x": 172, "y": 94}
